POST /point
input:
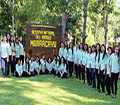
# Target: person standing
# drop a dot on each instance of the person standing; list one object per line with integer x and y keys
{"x": 4, "y": 52}
{"x": 17, "y": 55}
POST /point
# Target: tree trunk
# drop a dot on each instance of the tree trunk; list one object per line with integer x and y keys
{"x": 85, "y": 20}
{"x": 13, "y": 18}
{"x": 106, "y": 30}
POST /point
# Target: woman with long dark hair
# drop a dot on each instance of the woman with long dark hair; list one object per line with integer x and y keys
{"x": 49, "y": 66}
{"x": 17, "y": 55}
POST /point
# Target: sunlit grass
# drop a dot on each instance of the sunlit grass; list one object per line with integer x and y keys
{"x": 50, "y": 90}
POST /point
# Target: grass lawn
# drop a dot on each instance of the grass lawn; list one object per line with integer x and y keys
{"x": 50, "y": 90}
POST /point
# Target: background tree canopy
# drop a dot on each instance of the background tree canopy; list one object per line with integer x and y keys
{"x": 92, "y": 20}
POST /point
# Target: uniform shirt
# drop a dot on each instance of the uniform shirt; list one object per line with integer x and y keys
{"x": 114, "y": 63}
{"x": 80, "y": 56}
{"x": 25, "y": 67}
{"x": 61, "y": 52}
{"x": 70, "y": 55}
{"x": 65, "y": 53}
{"x": 93, "y": 60}
{"x": 53, "y": 64}
{"x": 62, "y": 68}
{"x": 37, "y": 66}
{"x": 96, "y": 61}
{"x": 19, "y": 69}
{"x": 76, "y": 55}
{"x": 9, "y": 49}
{"x": 42, "y": 64}
{"x": 84, "y": 57}
{"x": 31, "y": 65}
{"x": 17, "y": 55}
{"x": 14, "y": 48}
{"x": 4, "y": 49}
{"x": 57, "y": 66}
{"x": 108, "y": 65}
{"x": 49, "y": 66}
{"x": 21, "y": 49}
{"x": 88, "y": 60}
{"x": 103, "y": 61}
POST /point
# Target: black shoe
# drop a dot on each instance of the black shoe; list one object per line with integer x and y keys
{"x": 8, "y": 76}
{"x": 107, "y": 94}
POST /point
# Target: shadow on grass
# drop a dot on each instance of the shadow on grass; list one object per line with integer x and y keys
{"x": 47, "y": 89}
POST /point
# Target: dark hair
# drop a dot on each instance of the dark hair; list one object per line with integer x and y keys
{"x": 82, "y": 46}
{"x": 87, "y": 47}
{"x": 43, "y": 54}
{"x": 48, "y": 59}
{"x": 118, "y": 51}
{"x": 97, "y": 52}
{"x": 66, "y": 46}
{"x": 38, "y": 60}
{"x": 91, "y": 49}
{"x": 63, "y": 60}
{"x": 13, "y": 40}
{"x": 22, "y": 39}
{"x": 104, "y": 51}
{"x": 55, "y": 59}
{"x": 110, "y": 49}
{"x": 8, "y": 40}
{"x": 72, "y": 47}
{"x": 28, "y": 64}
{"x": 18, "y": 59}
{"x": 59, "y": 59}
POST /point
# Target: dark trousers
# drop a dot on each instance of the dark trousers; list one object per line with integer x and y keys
{"x": 16, "y": 74}
{"x": 4, "y": 71}
{"x": 9, "y": 65}
{"x": 89, "y": 77}
{"x": 51, "y": 72}
{"x": 22, "y": 59}
{"x": 93, "y": 77}
{"x": 80, "y": 72}
{"x": 102, "y": 80}
{"x": 25, "y": 74}
{"x": 108, "y": 84}
{"x": 83, "y": 73}
{"x": 98, "y": 83}
{"x": 13, "y": 65}
{"x": 46, "y": 71}
{"x": 70, "y": 68}
{"x": 64, "y": 75}
{"x": 77, "y": 71}
{"x": 114, "y": 79}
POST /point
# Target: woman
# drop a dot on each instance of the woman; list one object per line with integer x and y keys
{"x": 93, "y": 66}
{"x": 10, "y": 53}
{"x": 76, "y": 61}
{"x": 80, "y": 60}
{"x": 83, "y": 61}
{"x": 37, "y": 66}
{"x": 97, "y": 60}
{"x": 88, "y": 66}
{"x": 70, "y": 59}
{"x": 13, "y": 47}
{"x": 108, "y": 71}
{"x": 65, "y": 50}
{"x": 19, "y": 69}
{"x": 57, "y": 64}
{"x": 31, "y": 62}
{"x": 49, "y": 66}
{"x": 26, "y": 68}
{"x": 17, "y": 56}
{"x": 54, "y": 62}
{"x": 43, "y": 65}
{"x": 62, "y": 69}
{"x": 4, "y": 52}
{"x": 114, "y": 70}
{"x": 21, "y": 50}
{"x": 61, "y": 50}
{"x": 102, "y": 68}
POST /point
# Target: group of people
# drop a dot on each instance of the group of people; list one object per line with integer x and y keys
{"x": 93, "y": 61}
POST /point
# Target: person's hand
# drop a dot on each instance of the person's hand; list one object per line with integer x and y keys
{"x": 81, "y": 67}
{"x": 94, "y": 70}
{"x": 77, "y": 64}
{"x": 74, "y": 62}
{"x": 67, "y": 61}
{"x": 98, "y": 71}
{"x": 7, "y": 59}
{"x": 110, "y": 75}
{"x": 89, "y": 69}
{"x": 104, "y": 72}
{"x": 85, "y": 69}
{"x": 11, "y": 58}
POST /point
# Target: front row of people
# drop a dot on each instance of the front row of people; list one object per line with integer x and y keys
{"x": 37, "y": 67}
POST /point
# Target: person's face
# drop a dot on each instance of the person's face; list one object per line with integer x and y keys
{"x": 77, "y": 46}
{"x": 4, "y": 38}
{"x": 12, "y": 38}
{"x": 43, "y": 56}
{"x": 103, "y": 49}
{"x": 93, "y": 49}
{"x": 65, "y": 43}
{"x": 62, "y": 60}
{"x": 54, "y": 57}
{"x": 58, "y": 58}
{"x": 98, "y": 47}
{"x": 80, "y": 46}
{"x": 8, "y": 36}
{"x": 19, "y": 62}
{"x": 116, "y": 50}
{"x": 31, "y": 58}
{"x": 109, "y": 51}
{"x": 49, "y": 60}
{"x": 17, "y": 40}
{"x": 37, "y": 59}
{"x": 89, "y": 50}
{"x": 71, "y": 45}
{"x": 27, "y": 60}
{"x": 62, "y": 45}
{"x": 85, "y": 47}
{"x": 20, "y": 39}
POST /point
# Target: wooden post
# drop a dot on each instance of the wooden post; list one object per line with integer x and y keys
{"x": 13, "y": 18}
{"x": 64, "y": 20}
